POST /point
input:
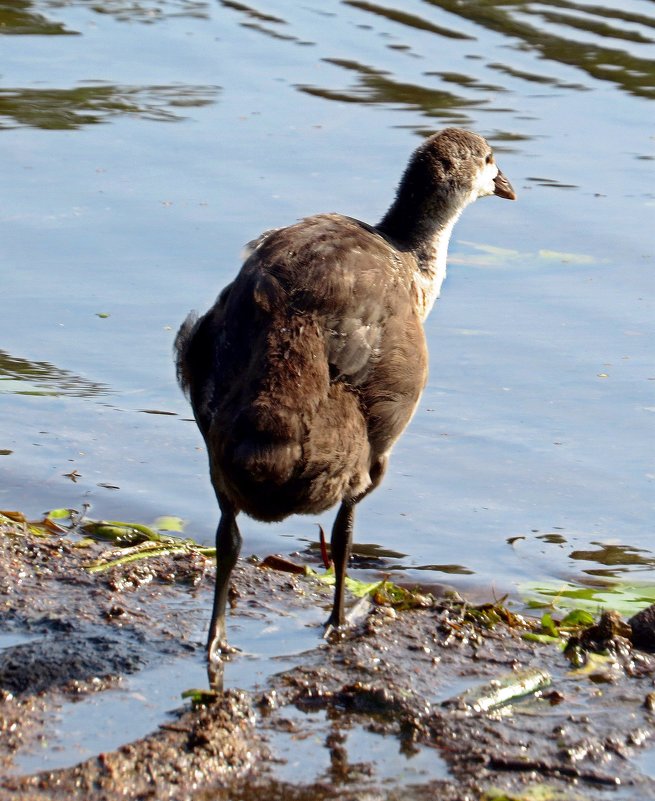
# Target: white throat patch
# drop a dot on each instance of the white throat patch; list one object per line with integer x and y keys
{"x": 430, "y": 277}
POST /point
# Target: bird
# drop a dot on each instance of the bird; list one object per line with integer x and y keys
{"x": 311, "y": 362}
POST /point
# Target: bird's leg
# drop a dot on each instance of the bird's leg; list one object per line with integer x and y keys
{"x": 228, "y": 545}
{"x": 342, "y": 532}
{"x": 215, "y": 674}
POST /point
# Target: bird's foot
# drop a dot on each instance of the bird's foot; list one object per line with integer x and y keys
{"x": 215, "y": 674}
{"x": 334, "y": 626}
{"x": 219, "y": 651}
{"x": 337, "y": 624}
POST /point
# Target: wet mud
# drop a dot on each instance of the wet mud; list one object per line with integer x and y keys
{"x": 406, "y": 704}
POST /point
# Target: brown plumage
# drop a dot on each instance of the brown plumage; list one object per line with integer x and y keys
{"x": 311, "y": 363}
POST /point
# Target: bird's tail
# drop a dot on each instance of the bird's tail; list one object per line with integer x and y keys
{"x": 182, "y": 352}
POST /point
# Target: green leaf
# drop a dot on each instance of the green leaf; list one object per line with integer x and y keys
{"x": 60, "y": 514}
{"x": 200, "y": 697}
{"x": 536, "y": 792}
{"x": 548, "y": 625}
{"x": 577, "y": 618}
{"x": 169, "y": 523}
{"x": 547, "y": 639}
{"x": 122, "y": 533}
{"x": 623, "y": 597}
{"x": 143, "y": 550}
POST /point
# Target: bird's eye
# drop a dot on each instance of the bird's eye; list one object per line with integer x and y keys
{"x": 490, "y": 158}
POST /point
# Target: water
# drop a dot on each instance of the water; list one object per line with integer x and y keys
{"x": 132, "y": 711}
{"x": 144, "y": 141}
{"x": 103, "y": 721}
{"x": 304, "y": 755}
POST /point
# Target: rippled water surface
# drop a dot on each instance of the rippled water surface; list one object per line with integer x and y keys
{"x": 142, "y": 142}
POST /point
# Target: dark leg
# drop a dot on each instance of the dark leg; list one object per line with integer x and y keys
{"x": 228, "y": 545}
{"x": 215, "y": 674}
{"x": 342, "y": 532}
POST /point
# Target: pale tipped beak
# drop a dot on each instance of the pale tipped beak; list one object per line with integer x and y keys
{"x": 503, "y": 188}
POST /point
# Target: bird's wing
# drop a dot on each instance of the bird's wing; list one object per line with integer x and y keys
{"x": 346, "y": 275}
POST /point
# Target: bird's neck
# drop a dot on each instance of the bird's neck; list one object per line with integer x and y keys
{"x": 424, "y": 231}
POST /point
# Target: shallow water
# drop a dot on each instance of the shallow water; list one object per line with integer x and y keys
{"x": 305, "y": 755}
{"x": 103, "y": 721}
{"x": 144, "y": 141}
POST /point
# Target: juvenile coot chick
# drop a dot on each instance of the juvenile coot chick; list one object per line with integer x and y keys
{"x": 311, "y": 362}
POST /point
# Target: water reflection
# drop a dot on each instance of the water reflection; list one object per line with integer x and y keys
{"x": 64, "y": 109}
{"x": 563, "y": 32}
{"x": 410, "y": 20}
{"x": 24, "y": 377}
{"x": 376, "y": 86}
{"x": 603, "y": 43}
{"x": 457, "y": 570}
{"x": 616, "y": 556}
{"x": 532, "y": 77}
{"x": 147, "y": 10}
{"x": 257, "y": 21}
{"x": 18, "y": 17}
{"x": 632, "y": 73}
{"x": 467, "y": 81}
{"x": 252, "y": 13}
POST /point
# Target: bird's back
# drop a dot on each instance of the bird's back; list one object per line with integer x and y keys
{"x": 307, "y": 368}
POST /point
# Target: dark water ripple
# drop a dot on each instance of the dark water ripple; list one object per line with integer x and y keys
{"x": 410, "y": 20}
{"x": 260, "y": 21}
{"x": 531, "y": 77}
{"x": 146, "y": 11}
{"x": 20, "y": 17}
{"x": 602, "y": 43}
{"x": 43, "y": 378}
{"x": 609, "y": 13}
{"x": 614, "y": 555}
{"x": 630, "y": 72}
{"x": 557, "y": 23}
{"x": 467, "y": 82}
{"x": 375, "y": 86}
{"x": 66, "y": 109}
{"x": 252, "y": 13}
{"x": 598, "y": 28}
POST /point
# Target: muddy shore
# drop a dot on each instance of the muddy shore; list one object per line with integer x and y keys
{"x": 400, "y": 688}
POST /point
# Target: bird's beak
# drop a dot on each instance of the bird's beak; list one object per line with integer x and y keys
{"x": 503, "y": 188}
